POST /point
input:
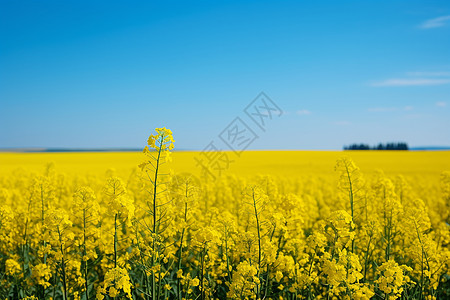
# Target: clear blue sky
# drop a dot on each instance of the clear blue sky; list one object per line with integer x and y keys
{"x": 106, "y": 73}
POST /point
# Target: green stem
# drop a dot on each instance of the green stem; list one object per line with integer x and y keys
{"x": 44, "y": 242}
{"x": 350, "y": 192}
{"x": 115, "y": 241}
{"x": 63, "y": 267}
{"x": 155, "y": 227}
{"x": 259, "y": 244}
{"x": 226, "y": 255}
{"x": 202, "y": 297}
{"x": 366, "y": 258}
{"x": 180, "y": 251}
{"x": 84, "y": 255}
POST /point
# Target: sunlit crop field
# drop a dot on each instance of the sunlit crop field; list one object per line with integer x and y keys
{"x": 274, "y": 225}
{"x": 250, "y": 163}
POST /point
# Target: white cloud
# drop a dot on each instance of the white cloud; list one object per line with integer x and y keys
{"x": 389, "y": 109}
{"x": 410, "y": 82}
{"x": 418, "y": 78}
{"x": 303, "y": 112}
{"x": 382, "y": 109}
{"x": 429, "y": 74}
{"x": 441, "y": 104}
{"x": 435, "y": 23}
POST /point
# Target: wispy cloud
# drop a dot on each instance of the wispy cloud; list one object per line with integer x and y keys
{"x": 410, "y": 82}
{"x": 435, "y": 23}
{"x": 303, "y": 112}
{"x": 429, "y": 74}
{"x": 441, "y": 104}
{"x": 382, "y": 109}
{"x": 389, "y": 109}
{"x": 418, "y": 78}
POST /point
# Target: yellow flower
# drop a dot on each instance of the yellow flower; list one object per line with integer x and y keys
{"x": 163, "y": 140}
{"x": 278, "y": 276}
{"x": 42, "y": 274}
{"x": 195, "y": 282}
{"x": 12, "y": 267}
{"x": 391, "y": 278}
{"x": 116, "y": 280}
{"x": 113, "y": 292}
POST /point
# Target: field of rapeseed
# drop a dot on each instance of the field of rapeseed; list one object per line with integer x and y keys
{"x": 289, "y": 233}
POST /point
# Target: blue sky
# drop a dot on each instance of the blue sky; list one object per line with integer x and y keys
{"x": 106, "y": 73}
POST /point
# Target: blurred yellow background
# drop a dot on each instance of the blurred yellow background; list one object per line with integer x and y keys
{"x": 278, "y": 163}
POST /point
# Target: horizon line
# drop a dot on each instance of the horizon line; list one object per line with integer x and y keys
{"x": 98, "y": 150}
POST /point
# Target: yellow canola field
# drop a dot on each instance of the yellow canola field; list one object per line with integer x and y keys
{"x": 250, "y": 163}
{"x": 275, "y": 225}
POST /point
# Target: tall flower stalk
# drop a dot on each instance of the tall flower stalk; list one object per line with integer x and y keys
{"x": 86, "y": 211}
{"x": 161, "y": 143}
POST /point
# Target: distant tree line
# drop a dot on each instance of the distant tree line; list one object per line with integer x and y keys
{"x": 380, "y": 146}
